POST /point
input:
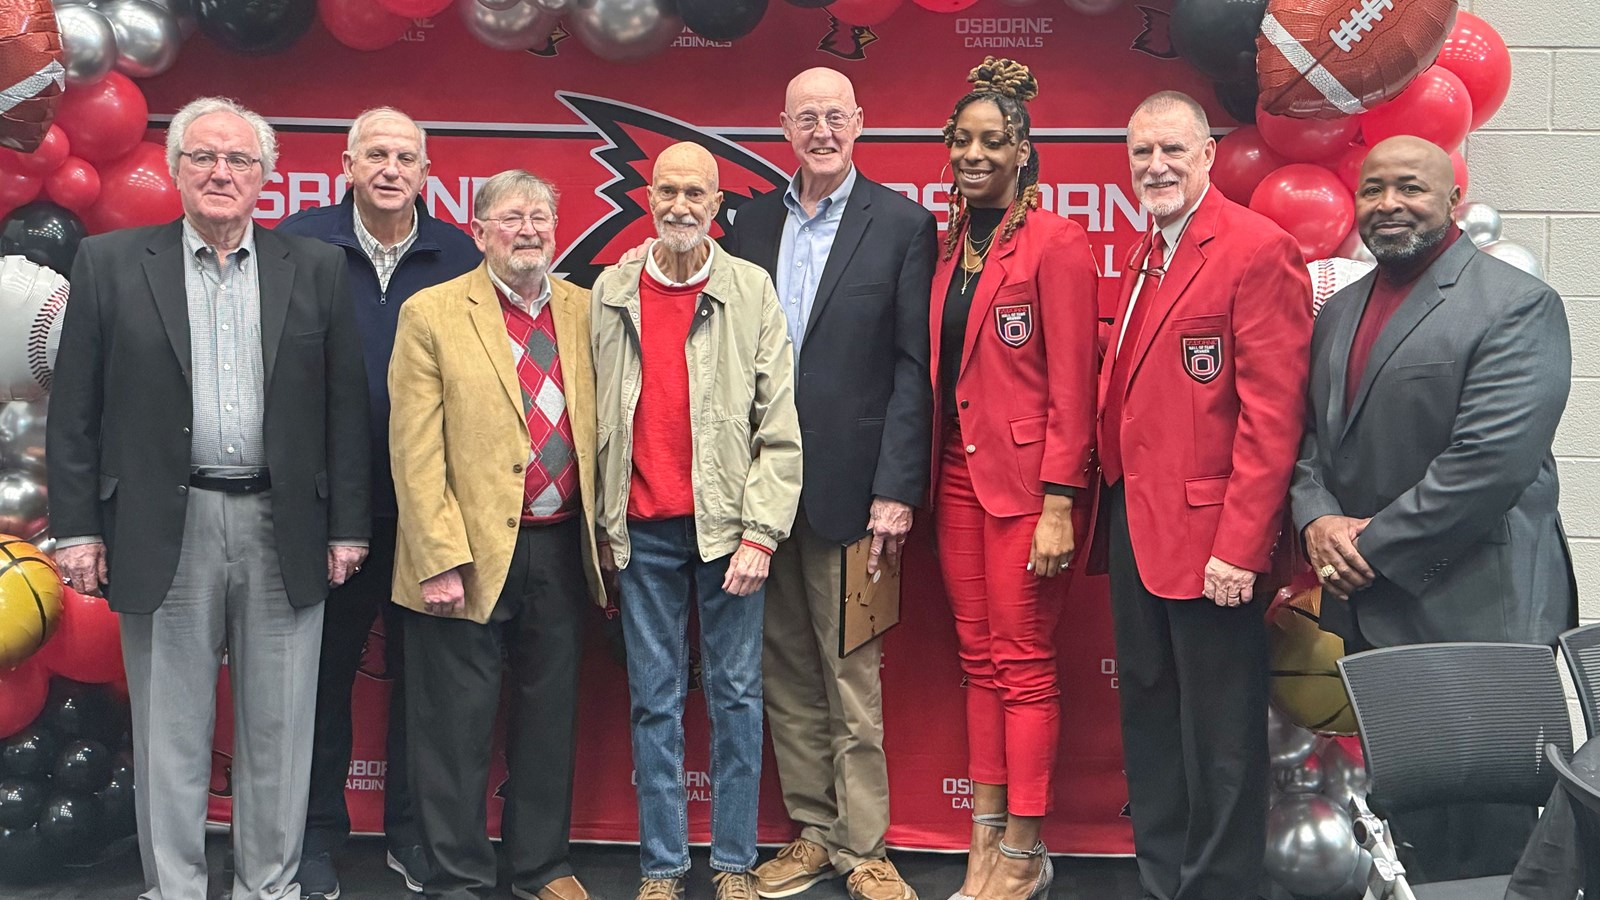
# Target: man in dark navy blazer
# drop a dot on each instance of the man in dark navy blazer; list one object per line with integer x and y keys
{"x": 852, "y": 262}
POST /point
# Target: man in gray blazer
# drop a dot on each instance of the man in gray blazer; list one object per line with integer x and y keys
{"x": 1426, "y": 489}
{"x": 209, "y": 476}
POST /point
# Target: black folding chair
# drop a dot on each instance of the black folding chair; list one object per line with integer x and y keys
{"x": 1581, "y": 647}
{"x": 1452, "y": 723}
{"x": 1584, "y": 795}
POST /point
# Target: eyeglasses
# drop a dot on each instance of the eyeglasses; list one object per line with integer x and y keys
{"x": 513, "y": 221}
{"x": 836, "y": 120}
{"x": 207, "y": 159}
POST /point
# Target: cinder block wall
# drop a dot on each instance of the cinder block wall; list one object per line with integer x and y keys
{"x": 1538, "y": 162}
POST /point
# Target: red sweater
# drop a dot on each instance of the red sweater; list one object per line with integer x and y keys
{"x": 1385, "y": 298}
{"x": 663, "y": 447}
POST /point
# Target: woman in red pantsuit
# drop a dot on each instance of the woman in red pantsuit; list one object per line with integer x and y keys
{"x": 1013, "y": 361}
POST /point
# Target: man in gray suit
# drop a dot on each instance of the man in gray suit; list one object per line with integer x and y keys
{"x": 209, "y": 475}
{"x": 1426, "y": 489}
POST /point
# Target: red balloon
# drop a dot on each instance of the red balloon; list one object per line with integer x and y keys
{"x": 74, "y": 184}
{"x": 23, "y": 691}
{"x": 1459, "y": 163}
{"x": 1306, "y": 140}
{"x": 415, "y": 9}
{"x": 87, "y": 645}
{"x": 1310, "y": 203}
{"x": 135, "y": 190}
{"x": 863, "y": 12}
{"x": 1347, "y": 165}
{"x": 105, "y": 119}
{"x": 1436, "y": 107}
{"x": 1475, "y": 52}
{"x": 1243, "y": 159}
{"x": 52, "y": 150}
{"x": 16, "y": 189}
{"x": 361, "y": 24}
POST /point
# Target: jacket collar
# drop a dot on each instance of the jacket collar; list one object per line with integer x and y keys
{"x": 344, "y": 226}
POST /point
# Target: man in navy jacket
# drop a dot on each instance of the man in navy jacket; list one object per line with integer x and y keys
{"x": 394, "y": 249}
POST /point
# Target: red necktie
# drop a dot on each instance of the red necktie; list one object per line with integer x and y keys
{"x": 1121, "y": 370}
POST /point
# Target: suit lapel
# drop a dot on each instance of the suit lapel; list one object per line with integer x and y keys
{"x": 484, "y": 308}
{"x": 1339, "y": 342}
{"x": 1187, "y": 259}
{"x": 276, "y": 272}
{"x": 994, "y": 275}
{"x": 852, "y": 226}
{"x": 163, "y": 271}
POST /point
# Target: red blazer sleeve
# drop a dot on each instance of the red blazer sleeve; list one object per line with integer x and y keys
{"x": 1068, "y": 310}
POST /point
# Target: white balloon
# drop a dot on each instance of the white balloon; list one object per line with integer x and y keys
{"x": 624, "y": 30}
{"x": 32, "y": 302}
{"x": 1480, "y": 221}
{"x": 1517, "y": 255}
{"x": 88, "y": 45}
{"x": 148, "y": 37}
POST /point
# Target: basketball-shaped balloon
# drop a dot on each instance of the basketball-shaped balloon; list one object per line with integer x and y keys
{"x": 30, "y": 599}
{"x": 1329, "y": 58}
{"x": 31, "y": 74}
{"x": 1303, "y": 658}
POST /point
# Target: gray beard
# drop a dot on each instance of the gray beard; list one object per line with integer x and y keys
{"x": 1407, "y": 250}
{"x": 682, "y": 244}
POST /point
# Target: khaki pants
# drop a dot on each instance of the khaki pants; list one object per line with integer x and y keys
{"x": 825, "y": 713}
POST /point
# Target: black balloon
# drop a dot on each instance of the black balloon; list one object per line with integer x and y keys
{"x": 44, "y": 233}
{"x": 77, "y": 710}
{"x": 254, "y": 26}
{"x": 1238, "y": 98}
{"x": 70, "y": 822}
{"x": 24, "y": 855}
{"x": 117, "y": 798}
{"x": 1218, "y": 37}
{"x": 722, "y": 20}
{"x": 31, "y": 751}
{"x": 20, "y": 801}
{"x": 83, "y": 766}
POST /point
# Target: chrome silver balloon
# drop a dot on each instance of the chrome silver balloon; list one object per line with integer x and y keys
{"x": 519, "y": 27}
{"x": 1344, "y": 776}
{"x": 1287, "y": 743}
{"x": 148, "y": 37}
{"x": 561, "y": 7}
{"x": 1306, "y": 778}
{"x": 1480, "y": 221}
{"x": 22, "y": 435}
{"x": 624, "y": 30}
{"x": 1517, "y": 255}
{"x": 184, "y": 10}
{"x": 24, "y": 504}
{"x": 502, "y": 5}
{"x": 1311, "y": 846}
{"x": 88, "y": 44}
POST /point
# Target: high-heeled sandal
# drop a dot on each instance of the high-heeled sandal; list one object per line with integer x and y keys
{"x": 991, "y": 820}
{"x": 1047, "y": 872}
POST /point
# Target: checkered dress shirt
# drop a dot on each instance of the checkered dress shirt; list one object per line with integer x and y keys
{"x": 228, "y": 379}
{"x": 384, "y": 261}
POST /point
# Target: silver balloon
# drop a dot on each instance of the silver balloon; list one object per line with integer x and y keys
{"x": 1093, "y": 7}
{"x": 1311, "y": 847}
{"x": 184, "y": 10}
{"x": 501, "y": 5}
{"x": 22, "y": 435}
{"x": 1306, "y": 778}
{"x": 1480, "y": 221}
{"x": 1288, "y": 743}
{"x": 24, "y": 504}
{"x": 556, "y": 6}
{"x": 1517, "y": 255}
{"x": 1344, "y": 776}
{"x": 521, "y": 27}
{"x": 46, "y": 544}
{"x": 88, "y": 45}
{"x": 147, "y": 36}
{"x": 624, "y": 30}
{"x": 1352, "y": 247}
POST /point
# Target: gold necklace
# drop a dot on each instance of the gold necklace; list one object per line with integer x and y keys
{"x": 970, "y": 267}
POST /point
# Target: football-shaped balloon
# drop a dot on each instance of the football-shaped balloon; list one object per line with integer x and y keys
{"x": 1329, "y": 58}
{"x": 31, "y": 74}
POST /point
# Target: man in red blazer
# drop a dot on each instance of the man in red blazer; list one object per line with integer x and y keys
{"x": 1201, "y": 394}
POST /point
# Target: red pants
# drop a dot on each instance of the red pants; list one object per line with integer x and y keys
{"x": 1005, "y": 623}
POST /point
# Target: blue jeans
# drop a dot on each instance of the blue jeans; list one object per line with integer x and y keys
{"x": 656, "y": 585}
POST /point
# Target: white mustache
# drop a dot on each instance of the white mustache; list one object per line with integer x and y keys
{"x": 679, "y": 220}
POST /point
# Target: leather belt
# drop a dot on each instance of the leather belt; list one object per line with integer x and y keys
{"x": 232, "y": 484}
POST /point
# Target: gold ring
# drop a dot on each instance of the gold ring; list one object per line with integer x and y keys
{"x": 1327, "y": 572}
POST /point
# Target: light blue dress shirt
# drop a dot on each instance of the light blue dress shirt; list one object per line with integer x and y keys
{"x": 803, "y": 253}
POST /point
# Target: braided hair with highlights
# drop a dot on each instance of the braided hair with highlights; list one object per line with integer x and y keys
{"x": 1009, "y": 85}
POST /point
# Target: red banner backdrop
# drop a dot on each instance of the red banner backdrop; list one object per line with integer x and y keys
{"x": 593, "y": 128}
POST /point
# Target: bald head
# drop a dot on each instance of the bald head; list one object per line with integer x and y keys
{"x": 683, "y": 195}
{"x": 819, "y": 83}
{"x": 822, "y": 121}
{"x": 1404, "y": 200}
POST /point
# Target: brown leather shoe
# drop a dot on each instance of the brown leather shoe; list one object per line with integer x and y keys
{"x": 878, "y": 879}
{"x": 567, "y": 887}
{"x": 798, "y": 866}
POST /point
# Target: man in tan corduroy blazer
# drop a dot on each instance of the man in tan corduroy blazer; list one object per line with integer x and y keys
{"x": 492, "y": 437}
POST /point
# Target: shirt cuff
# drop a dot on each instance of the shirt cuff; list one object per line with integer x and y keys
{"x": 63, "y": 543}
{"x": 1060, "y": 490}
{"x": 762, "y": 547}
{"x": 349, "y": 542}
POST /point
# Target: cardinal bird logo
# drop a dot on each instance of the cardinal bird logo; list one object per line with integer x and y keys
{"x": 558, "y": 35}
{"x": 1156, "y": 38}
{"x": 846, "y": 41}
{"x": 634, "y": 138}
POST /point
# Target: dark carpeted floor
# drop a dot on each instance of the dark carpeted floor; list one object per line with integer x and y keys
{"x": 610, "y": 872}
